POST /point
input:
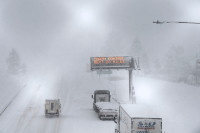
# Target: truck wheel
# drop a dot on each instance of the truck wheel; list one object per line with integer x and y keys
{"x": 58, "y": 113}
{"x": 100, "y": 118}
{"x": 95, "y": 109}
{"x": 46, "y": 112}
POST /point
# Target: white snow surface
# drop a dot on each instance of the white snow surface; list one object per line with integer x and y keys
{"x": 177, "y": 103}
{"x": 140, "y": 110}
{"x": 9, "y": 87}
{"x": 107, "y": 105}
{"x": 26, "y": 113}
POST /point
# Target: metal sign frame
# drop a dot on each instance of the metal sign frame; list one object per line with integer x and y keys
{"x": 114, "y": 62}
{"x": 117, "y": 62}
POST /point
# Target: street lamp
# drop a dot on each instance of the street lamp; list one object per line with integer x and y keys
{"x": 162, "y": 22}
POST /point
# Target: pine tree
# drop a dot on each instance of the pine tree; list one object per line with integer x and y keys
{"x": 14, "y": 63}
{"x": 136, "y": 50}
{"x": 177, "y": 64}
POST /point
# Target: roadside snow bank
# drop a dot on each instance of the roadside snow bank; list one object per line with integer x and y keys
{"x": 177, "y": 103}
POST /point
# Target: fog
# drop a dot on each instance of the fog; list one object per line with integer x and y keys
{"x": 49, "y": 43}
{"x": 56, "y": 31}
{"x": 62, "y": 35}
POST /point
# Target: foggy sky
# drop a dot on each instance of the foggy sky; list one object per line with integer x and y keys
{"x": 51, "y": 31}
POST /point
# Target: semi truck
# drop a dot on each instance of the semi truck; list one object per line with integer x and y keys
{"x": 134, "y": 118}
{"x": 106, "y": 110}
{"x": 52, "y": 107}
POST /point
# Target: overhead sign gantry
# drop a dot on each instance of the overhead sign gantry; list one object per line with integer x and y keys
{"x": 117, "y": 62}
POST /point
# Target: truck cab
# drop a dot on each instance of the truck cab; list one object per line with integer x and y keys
{"x": 52, "y": 107}
{"x": 100, "y": 96}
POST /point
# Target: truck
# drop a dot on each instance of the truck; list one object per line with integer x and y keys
{"x": 100, "y": 96}
{"x": 134, "y": 118}
{"x": 106, "y": 110}
{"x": 52, "y": 107}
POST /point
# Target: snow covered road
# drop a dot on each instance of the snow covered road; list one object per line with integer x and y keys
{"x": 178, "y": 104}
{"x": 26, "y": 113}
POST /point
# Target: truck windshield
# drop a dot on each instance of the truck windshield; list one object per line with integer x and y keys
{"x": 102, "y": 97}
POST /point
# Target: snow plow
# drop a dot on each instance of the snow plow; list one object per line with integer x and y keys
{"x": 52, "y": 107}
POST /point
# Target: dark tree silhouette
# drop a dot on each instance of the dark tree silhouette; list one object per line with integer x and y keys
{"x": 14, "y": 63}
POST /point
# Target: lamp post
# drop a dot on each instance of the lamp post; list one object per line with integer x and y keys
{"x": 198, "y": 60}
{"x": 177, "y": 22}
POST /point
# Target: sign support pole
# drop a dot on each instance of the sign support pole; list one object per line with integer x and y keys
{"x": 119, "y": 62}
{"x": 130, "y": 85}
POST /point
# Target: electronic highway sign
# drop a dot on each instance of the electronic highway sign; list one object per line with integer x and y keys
{"x": 114, "y": 62}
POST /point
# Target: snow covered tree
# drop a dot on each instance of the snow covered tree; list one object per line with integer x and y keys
{"x": 136, "y": 50}
{"x": 156, "y": 66}
{"x": 116, "y": 44}
{"x": 145, "y": 64}
{"x": 14, "y": 63}
{"x": 177, "y": 65}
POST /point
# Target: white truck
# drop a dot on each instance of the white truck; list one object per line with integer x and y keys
{"x": 100, "y": 96}
{"x": 52, "y": 107}
{"x": 106, "y": 110}
{"x": 135, "y": 118}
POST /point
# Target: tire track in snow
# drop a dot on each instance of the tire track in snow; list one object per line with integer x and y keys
{"x": 28, "y": 120}
{"x": 4, "y": 109}
{"x": 52, "y": 124}
{"x": 35, "y": 108}
{"x": 26, "y": 112}
{"x": 64, "y": 94}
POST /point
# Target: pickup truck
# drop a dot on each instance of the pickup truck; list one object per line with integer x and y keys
{"x": 103, "y": 106}
{"x": 107, "y": 110}
{"x": 100, "y": 96}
